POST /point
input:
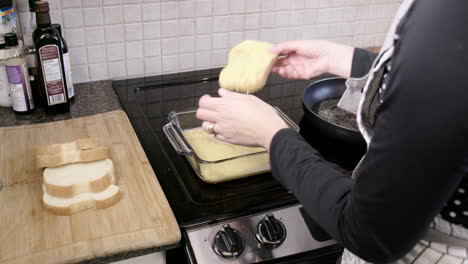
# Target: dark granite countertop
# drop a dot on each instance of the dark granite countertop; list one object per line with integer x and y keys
{"x": 91, "y": 98}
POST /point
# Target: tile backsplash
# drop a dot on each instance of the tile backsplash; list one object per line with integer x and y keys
{"x": 112, "y": 39}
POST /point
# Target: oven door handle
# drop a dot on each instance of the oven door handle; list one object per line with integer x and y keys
{"x": 175, "y": 140}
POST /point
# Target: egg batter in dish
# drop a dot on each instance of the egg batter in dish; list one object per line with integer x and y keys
{"x": 208, "y": 148}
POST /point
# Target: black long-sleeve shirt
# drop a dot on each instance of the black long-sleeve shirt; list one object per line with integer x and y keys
{"x": 418, "y": 155}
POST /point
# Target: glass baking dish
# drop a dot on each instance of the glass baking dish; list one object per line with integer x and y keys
{"x": 215, "y": 170}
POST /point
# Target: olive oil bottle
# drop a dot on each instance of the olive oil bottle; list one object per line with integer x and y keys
{"x": 50, "y": 62}
{"x": 66, "y": 63}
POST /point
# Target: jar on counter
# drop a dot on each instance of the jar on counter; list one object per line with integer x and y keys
{"x": 5, "y": 99}
{"x": 8, "y": 19}
{"x": 18, "y": 76}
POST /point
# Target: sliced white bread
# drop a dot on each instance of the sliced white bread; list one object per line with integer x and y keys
{"x": 81, "y": 202}
{"x": 70, "y": 180}
{"x": 79, "y": 144}
{"x": 86, "y": 155}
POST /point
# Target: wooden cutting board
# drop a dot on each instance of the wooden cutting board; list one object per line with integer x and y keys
{"x": 30, "y": 234}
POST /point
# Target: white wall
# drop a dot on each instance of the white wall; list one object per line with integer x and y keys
{"x": 129, "y": 38}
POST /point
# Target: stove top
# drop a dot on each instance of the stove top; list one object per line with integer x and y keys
{"x": 147, "y": 102}
{"x": 203, "y": 209}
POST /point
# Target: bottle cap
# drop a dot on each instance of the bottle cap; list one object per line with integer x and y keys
{"x": 42, "y": 6}
{"x": 11, "y": 39}
{"x": 58, "y": 27}
{"x": 2, "y": 41}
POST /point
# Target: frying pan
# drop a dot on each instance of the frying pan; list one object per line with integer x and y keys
{"x": 316, "y": 93}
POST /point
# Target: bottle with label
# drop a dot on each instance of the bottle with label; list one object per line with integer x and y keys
{"x": 8, "y": 19}
{"x": 5, "y": 99}
{"x": 66, "y": 63}
{"x": 18, "y": 77}
{"x": 50, "y": 62}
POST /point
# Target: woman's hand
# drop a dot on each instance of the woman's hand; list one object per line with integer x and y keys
{"x": 240, "y": 119}
{"x": 306, "y": 59}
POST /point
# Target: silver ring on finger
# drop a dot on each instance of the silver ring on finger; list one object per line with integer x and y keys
{"x": 211, "y": 128}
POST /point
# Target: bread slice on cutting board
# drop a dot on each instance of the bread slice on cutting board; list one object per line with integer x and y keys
{"x": 79, "y": 144}
{"x": 83, "y": 201}
{"x": 249, "y": 65}
{"x": 85, "y": 155}
{"x": 78, "y": 176}
{"x": 80, "y": 150}
{"x": 80, "y": 186}
{"x": 70, "y": 180}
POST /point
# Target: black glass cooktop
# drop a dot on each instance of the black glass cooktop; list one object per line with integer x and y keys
{"x": 147, "y": 102}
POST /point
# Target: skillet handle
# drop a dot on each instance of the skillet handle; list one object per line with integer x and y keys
{"x": 175, "y": 140}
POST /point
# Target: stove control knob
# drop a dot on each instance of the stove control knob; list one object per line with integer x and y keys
{"x": 271, "y": 232}
{"x": 228, "y": 242}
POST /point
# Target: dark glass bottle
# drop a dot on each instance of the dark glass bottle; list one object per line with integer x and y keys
{"x": 66, "y": 64}
{"x": 50, "y": 63}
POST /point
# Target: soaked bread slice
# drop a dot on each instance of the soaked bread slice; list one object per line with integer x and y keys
{"x": 249, "y": 64}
